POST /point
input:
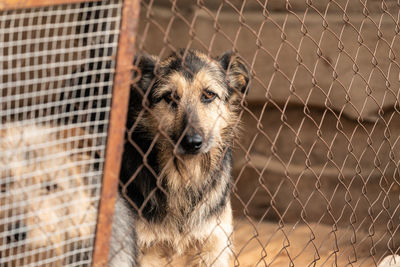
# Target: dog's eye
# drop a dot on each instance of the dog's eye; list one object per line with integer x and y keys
{"x": 168, "y": 97}
{"x": 208, "y": 96}
{"x": 171, "y": 97}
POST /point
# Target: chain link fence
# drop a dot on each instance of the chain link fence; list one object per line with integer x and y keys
{"x": 315, "y": 171}
{"x": 315, "y": 178}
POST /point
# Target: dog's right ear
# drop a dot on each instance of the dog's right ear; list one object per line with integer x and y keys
{"x": 237, "y": 72}
{"x": 146, "y": 71}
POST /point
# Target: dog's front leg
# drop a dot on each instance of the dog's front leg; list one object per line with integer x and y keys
{"x": 216, "y": 249}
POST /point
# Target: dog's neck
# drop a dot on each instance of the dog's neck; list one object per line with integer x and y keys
{"x": 195, "y": 189}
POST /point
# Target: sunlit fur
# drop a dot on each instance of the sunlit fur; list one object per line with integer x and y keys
{"x": 46, "y": 203}
{"x": 180, "y": 194}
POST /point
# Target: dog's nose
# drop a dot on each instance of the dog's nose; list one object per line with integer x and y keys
{"x": 20, "y": 235}
{"x": 192, "y": 143}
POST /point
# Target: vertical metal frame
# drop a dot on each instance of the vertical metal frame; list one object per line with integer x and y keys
{"x": 116, "y": 130}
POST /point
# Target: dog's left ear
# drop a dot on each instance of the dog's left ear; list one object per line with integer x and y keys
{"x": 237, "y": 73}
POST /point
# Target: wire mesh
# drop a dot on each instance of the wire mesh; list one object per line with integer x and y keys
{"x": 315, "y": 174}
{"x": 54, "y": 116}
{"x": 315, "y": 171}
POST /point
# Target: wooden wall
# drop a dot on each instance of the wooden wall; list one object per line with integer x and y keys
{"x": 321, "y": 127}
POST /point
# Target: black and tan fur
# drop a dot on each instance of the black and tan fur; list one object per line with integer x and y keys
{"x": 176, "y": 166}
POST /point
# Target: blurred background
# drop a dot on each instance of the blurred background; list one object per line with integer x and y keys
{"x": 321, "y": 120}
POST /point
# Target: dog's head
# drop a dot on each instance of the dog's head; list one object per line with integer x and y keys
{"x": 192, "y": 99}
{"x": 45, "y": 206}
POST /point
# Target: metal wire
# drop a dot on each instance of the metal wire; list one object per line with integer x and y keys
{"x": 54, "y": 116}
{"x": 316, "y": 171}
{"x": 316, "y": 179}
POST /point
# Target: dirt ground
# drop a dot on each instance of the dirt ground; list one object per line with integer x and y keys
{"x": 267, "y": 244}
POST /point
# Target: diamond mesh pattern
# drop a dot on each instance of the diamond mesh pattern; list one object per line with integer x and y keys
{"x": 316, "y": 176}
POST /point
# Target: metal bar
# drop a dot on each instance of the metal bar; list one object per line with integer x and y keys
{"x": 115, "y": 141}
{"x": 18, "y": 4}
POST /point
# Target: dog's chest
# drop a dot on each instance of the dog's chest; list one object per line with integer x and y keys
{"x": 175, "y": 238}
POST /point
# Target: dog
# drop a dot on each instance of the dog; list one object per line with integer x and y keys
{"x": 176, "y": 169}
{"x": 47, "y": 212}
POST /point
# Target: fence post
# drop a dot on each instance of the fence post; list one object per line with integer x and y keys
{"x": 116, "y": 131}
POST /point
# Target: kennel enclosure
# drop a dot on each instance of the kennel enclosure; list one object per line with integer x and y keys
{"x": 59, "y": 69}
{"x": 316, "y": 179}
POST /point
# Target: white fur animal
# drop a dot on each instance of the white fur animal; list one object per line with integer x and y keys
{"x": 47, "y": 212}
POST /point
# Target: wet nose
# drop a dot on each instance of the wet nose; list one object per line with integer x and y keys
{"x": 19, "y": 235}
{"x": 191, "y": 143}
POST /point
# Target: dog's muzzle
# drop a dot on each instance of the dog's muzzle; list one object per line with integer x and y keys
{"x": 19, "y": 233}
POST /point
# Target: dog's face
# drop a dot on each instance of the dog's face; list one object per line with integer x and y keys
{"x": 44, "y": 203}
{"x": 192, "y": 99}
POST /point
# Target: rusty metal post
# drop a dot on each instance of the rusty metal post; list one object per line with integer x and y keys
{"x": 115, "y": 141}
